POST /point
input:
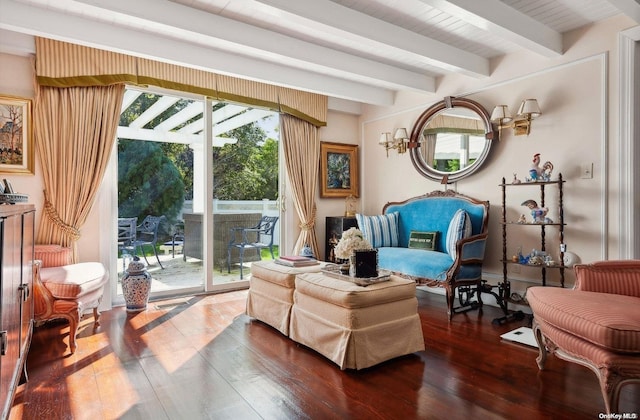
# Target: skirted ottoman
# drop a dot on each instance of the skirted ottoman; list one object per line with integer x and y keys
{"x": 356, "y": 327}
{"x": 270, "y": 294}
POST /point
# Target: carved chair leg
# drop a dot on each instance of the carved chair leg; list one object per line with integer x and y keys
{"x": 450, "y": 299}
{"x": 96, "y": 316}
{"x": 74, "y": 320}
{"x": 542, "y": 356}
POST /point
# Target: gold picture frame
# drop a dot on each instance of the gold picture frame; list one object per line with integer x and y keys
{"x": 16, "y": 137}
{"x": 338, "y": 170}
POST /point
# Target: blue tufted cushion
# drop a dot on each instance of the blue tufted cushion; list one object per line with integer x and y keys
{"x": 381, "y": 230}
{"x": 459, "y": 227}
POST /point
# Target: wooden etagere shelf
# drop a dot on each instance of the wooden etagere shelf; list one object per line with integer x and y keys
{"x": 504, "y": 289}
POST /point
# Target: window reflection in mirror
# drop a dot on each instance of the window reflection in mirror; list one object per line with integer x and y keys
{"x": 452, "y": 140}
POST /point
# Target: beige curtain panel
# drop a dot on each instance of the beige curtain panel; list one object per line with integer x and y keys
{"x": 301, "y": 145}
{"x": 61, "y": 64}
{"x": 76, "y": 130}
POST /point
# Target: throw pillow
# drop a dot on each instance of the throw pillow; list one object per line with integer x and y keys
{"x": 381, "y": 230}
{"x": 459, "y": 227}
{"x": 423, "y": 240}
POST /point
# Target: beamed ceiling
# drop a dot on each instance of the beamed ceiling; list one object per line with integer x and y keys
{"x": 362, "y": 51}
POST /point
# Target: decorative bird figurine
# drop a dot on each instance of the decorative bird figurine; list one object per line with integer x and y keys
{"x": 538, "y": 172}
{"x": 538, "y": 213}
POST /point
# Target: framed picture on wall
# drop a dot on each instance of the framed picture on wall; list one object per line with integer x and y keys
{"x": 16, "y": 141}
{"x": 338, "y": 170}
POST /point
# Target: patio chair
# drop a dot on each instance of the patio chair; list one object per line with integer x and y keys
{"x": 147, "y": 234}
{"x": 256, "y": 237}
{"x": 126, "y": 238}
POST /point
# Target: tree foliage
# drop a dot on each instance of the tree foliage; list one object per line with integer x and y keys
{"x": 148, "y": 181}
{"x": 248, "y": 169}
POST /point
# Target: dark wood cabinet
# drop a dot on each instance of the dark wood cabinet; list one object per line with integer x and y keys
{"x": 335, "y": 225}
{"x": 16, "y": 287}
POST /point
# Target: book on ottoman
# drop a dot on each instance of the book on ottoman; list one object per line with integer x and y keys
{"x": 296, "y": 261}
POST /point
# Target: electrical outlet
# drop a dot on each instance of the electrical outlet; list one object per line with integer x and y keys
{"x": 586, "y": 170}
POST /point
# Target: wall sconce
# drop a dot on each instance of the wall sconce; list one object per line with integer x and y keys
{"x": 399, "y": 141}
{"x": 521, "y": 125}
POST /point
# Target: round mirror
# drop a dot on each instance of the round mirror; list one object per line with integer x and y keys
{"x": 451, "y": 139}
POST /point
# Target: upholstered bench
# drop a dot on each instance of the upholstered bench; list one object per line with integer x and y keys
{"x": 356, "y": 327}
{"x": 270, "y": 294}
{"x": 66, "y": 290}
{"x": 596, "y": 324}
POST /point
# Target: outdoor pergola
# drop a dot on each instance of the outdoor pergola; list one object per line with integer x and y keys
{"x": 176, "y": 129}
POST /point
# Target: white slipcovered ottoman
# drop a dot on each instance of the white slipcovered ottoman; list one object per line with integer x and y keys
{"x": 270, "y": 294}
{"x": 356, "y": 327}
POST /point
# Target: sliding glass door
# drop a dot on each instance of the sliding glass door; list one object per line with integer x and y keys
{"x": 166, "y": 217}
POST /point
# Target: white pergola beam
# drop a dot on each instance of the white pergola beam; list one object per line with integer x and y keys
{"x": 218, "y": 115}
{"x": 504, "y": 21}
{"x": 147, "y": 134}
{"x": 129, "y": 97}
{"x": 429, "y": 50}
{"x": 50, "y": 23}
{"x": 242, "y": 119}
{"x": 154, "y": 110}
{"x": 231, "y": 35}
{"x": 182, "y": 116}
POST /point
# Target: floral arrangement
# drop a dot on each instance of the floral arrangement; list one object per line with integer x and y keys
{"x": 351, "y": 240}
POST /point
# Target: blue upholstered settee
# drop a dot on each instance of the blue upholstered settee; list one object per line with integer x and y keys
{"x": 461, "y": 223}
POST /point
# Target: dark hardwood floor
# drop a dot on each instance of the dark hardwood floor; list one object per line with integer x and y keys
{"x": 201, "y": 357}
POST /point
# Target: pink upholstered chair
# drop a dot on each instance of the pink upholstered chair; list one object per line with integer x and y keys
{"x": 596, "y": 324}
{"x": 66, "y": 290}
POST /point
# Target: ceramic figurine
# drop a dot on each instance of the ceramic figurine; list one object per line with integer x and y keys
{"x": 538, "y": 213}
{"x": 540, "y": 173}
{"x": 522, "y": 219}
{"x": 515, "y": 179}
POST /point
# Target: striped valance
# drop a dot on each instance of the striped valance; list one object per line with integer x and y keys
{"x": 60, "y": 64}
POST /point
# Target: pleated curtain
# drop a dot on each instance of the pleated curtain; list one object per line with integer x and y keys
{"x": 76, "y": 130}
{"x": 301, "y": 144}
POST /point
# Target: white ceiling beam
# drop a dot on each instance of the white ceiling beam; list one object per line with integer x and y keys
{"x": 349, "y": 21}
{"x": 232, "y": 35}
{"x": 630, "y": 8}
{"x": 15, "y": 43}
{"x": 48, "y": 23}
{"x": 499, "y": 19}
